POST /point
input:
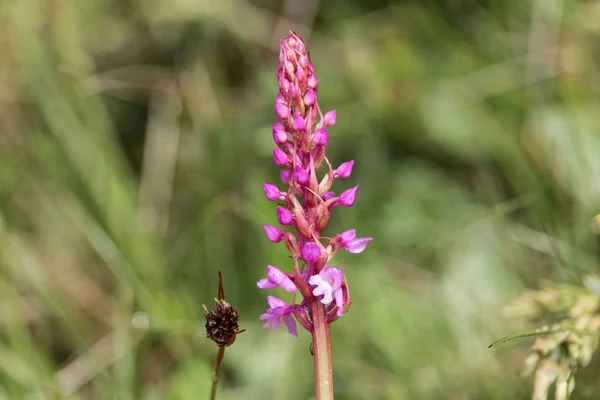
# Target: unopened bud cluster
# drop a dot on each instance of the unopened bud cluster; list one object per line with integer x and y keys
{"x": 567, "y": 344}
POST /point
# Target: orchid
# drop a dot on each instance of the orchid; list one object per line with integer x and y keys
{"x": 276, "y": 277}
{"x": 304, "y": 209}
{"x": 278, "y": 310}
{"x": 351, "y": 243}
{"x": 328, "y": 283}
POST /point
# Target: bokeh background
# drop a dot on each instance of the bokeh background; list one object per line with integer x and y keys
{"x": 134, "y": 137}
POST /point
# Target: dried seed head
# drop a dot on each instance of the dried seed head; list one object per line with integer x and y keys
{"x": 222, "y": 324}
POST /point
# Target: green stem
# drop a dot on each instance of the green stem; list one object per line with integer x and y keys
{"x": 322, "y": 352}
{"x": 215, "y": 377}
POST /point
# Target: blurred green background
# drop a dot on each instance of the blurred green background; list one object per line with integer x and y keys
{"x": 134, "y": 137}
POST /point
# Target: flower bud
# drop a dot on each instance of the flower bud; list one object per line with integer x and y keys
{"x": 310, "y": 98}
{"x": 303, "y": 61}
{"x": 329, "y": 118}
{"x": 272, "y": 192}
{"x": 344, "y": 170}
{"x": 284, "y": 216}
{"x": 321, "y": 137}
{"x": 284, "y": 174}
{"x": 348, "y": 197}
{"x": 280, "y": 98}
{"x": 280, "y": 136}
{"x": 294, "y": 89}
{"x": 300, "y": 175}
{"x": 300, "y": 75}
{"x": 313, "y": 82}
{"x": 311, "y": 252}
{"x": 328, "y": 195}
{"x": 279, "y": 157}
{"x": 289, "y": 68}
{"x": 299, "y": 123}
{"x": 284, "y": 85}
{"x": 274, "y": 234}
{"x": 282, "y": 110}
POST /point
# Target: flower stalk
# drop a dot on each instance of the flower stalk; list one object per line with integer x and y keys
{"x": 303, "y": 212}
{"x": 322, "y": 353}
{"x": 216, "y": 373}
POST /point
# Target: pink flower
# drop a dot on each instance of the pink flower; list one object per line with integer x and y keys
{"x": 351, "y": 243}
{"x": 278, "y": 310}
{"x": 328, "y": 284}
{"x": 276, "y": 278}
